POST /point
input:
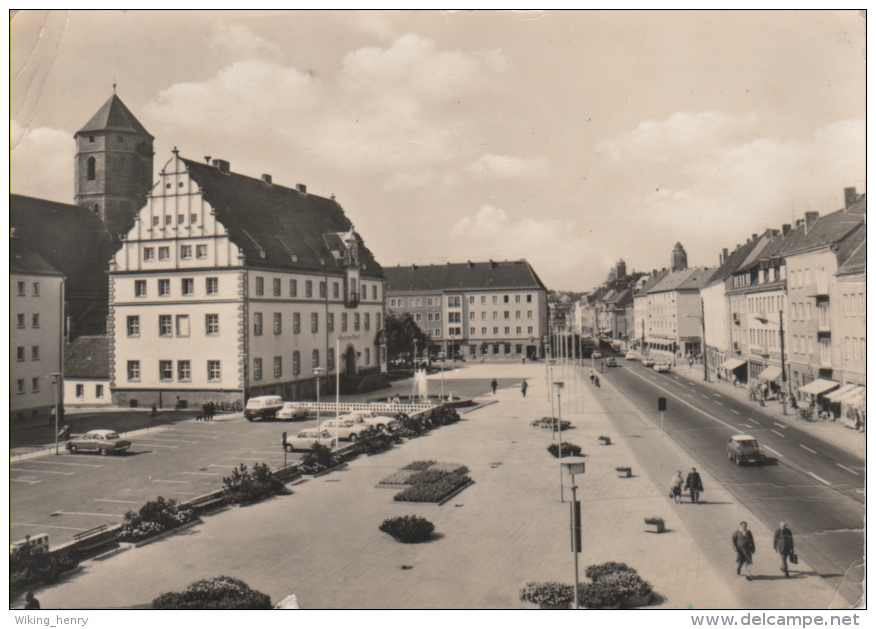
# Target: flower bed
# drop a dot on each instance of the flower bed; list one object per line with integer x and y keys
{"x": 614, "y": 585}
{"x": 155, "y": 517}
{"x": 551, "y": 423}
{"x": 548, "y": 594}
{"x": 401, "y": 477}
{"x": 30, "y": 567}
{"x": 408, "y": 529}
{"x": 418, "y": 465}
{"x": 567, "y": 449}
{"x": 450, "y": 468}
{"x": 432, "y": 486}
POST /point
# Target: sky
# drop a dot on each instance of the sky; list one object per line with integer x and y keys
{"x": 570, "y": 139}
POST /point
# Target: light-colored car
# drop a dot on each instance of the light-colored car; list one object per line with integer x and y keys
{"x": 344, "y": 429}
{"x": 744, "y": 448}
{"x": 293, "y": 411}
{"x": 631, "y": 356}
{"x": 263, "y": 407}
{"x": 611, "y": 362}
{"x": 305, "y": 439}
{"x": 596, "y": 354}
{"x": 101, "y": 441}
{"x": 373, "y": 419}
{"x": 662, "y": 367}
{"x": 648, "y": 362}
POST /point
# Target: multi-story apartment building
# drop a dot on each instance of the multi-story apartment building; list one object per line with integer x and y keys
{"x": 36, "y": 338}
{"x": 852, "y": 335}
{"x": 229, "y": 287}
{"x": 641, "y": 305}
{"x": 427, "y": 311}
{"x": 674, "y": 316}
{"x": 492, "y": 309}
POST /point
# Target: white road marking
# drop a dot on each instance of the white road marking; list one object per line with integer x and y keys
{"x": 704, "y": 395}
{"x": 24, "y": 480}
{"x": 777, "y": 432}
{"x": 154, "y": 445}
{"x": 687, "y": 395}
{"x": 746, "y": 425}
{"x": 779, "y": 425}
{"x": 60, "y": 463}
{"x": 718, "y": 403}
{"x": 29, "y": 471}
{"x": 848, "y": 470}
{"x": 99, "y": 515}
{"x": 754, "y": 420}
{"x": 777, "y": 453}
{"x": 172, "y": 440}
{"x": 810, "y": 449}
{"x": 158, "y": 480}
{"x": 49, "y": 526}
{"x": 716, "y": 394}
{"x": 818, "y": 478}
{"x": 735, "y": 411}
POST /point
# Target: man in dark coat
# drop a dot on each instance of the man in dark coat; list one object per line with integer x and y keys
{"x": 695, "y": 484}
{"x": 523, "y": 388}
{"x": 743, "y": 544}
{"x": 783, "y": 543}
{"x": 494, "y": 384}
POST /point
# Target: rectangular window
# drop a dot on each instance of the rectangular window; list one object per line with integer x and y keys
{"x": 506, "y": 298}
{"x": 21, "y": 289}
{"x": 34, "y": 385}
{"x": 164, "y": 253}
{"x": 20, "y": 384}
{"x": 20, "y": 321}
{"x": 519, "y": 330}
{"x": 168, "y": 220}
{"x": 471, "y": 331}
{"x": 193, "y": 219}
{"x": 296, "y": 362}
{"x": 314, "y": 357}
{"x": 276, "y": 287}
{"x": 314, "y": 322}
{"x": 454, "y": 301}
{"x": 343, "y": 322}
{"x": 211, "y": 324}
{"x": 296, "y": 323}
{"x": 133, "y": 370}
{"x": 308, "y": 288}
{"x": 35, "y": 321}
{"x": 364, "y": 292}
{"x": 507, "y": 314}
{"x": 495, "y": 314}
{"x": 330, "y": 321}
{"x": 367, "y": 321}
{"x": 293, "y": 288}
{"x": 165, "y": 327}
{"x": 98, "y": 390}
{"x": 163, "y": 288}
{"x": 20, "y": 353}
{"x": 336, "y": 290}
{"x": 355, "y": 322}
{"x": 165, "y": 369}
{"x": 330, "y": 359}
{"x": 483, "y": 330}
{"x": 367, "y": 356}
{"x": 155, "y": 221}
{"x": 256, "y": 368}
{"x": 214, "y": 370}
{"x": 529, "y": 314}
{"x": 322, "y": 289}
{"x": 257, "y": 323}
{"x": 139, "y": 288}
{"x": 260, "y": 286}
{"x": 507, "y": 330}
{"x": 517, "y": 314}
{"x": 374, "y": 292}
{"x": 495, "y": 299}
{"x": 188, "y": 286}
{"x": 134, "y": 325}
{"x": 529, "y": 299}
{"x": 201, "y": 251}
{"x": 278, "y": 323}
{"x": 185, "y": 252}
{"x": 278, "y": 366}
{"x": 148, "y": 254}
{"x": 495, "y": 330}
{"x": 212, "y": 285}
{"x": 182, "y": 325}
{"x": 483, "y": 299}
{"x": 377, "y": 321}
{"x": 184, "y": 370}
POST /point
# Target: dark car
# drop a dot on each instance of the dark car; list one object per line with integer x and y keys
{"x": 744, "y": 448}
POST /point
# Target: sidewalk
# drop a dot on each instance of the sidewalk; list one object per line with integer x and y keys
{"x": 834, "y": 432}
{"x": 508, "y": 528}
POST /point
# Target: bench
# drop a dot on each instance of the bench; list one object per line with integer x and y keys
{"x": 85, "y": 544}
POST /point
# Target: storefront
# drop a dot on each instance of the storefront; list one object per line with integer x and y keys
{"x": 813, "y": 396}
{"x": 735, "y": 370}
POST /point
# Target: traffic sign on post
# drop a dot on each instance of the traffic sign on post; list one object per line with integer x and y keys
{"x": 661, "y": 404}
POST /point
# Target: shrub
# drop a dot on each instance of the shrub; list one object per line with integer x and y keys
{"x": 244, "y": 486}
{"x": 551, "y": 423}
{"x": 444, "y": 416}
{"x": 567, "y": 449}
{"x": 372, "y": 440}
{"x": 408, "y": 529}
{"x": 156, "y": 516}
{"x": 29, "y": 567}
{"x": 596, "y": 572}
{"x": 216, "y": 593}
{"x": 612, "y": 583}
{"x": 319, "y": 458}
{"x": 547, "y": 593}
{"x": 418, "y": 465}
{"x": 439, "y": 486}
{"x": 410, "y": 426}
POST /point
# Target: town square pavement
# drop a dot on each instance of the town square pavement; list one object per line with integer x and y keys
{"x": 322, "y": 543}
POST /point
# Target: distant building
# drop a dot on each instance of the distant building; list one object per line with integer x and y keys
{"x": 675, "y": 314}
{"x": 852, "y": 333}
{"x": 87, "y": 371}
{"x": 491, "y": 309}
{"x": 679, "y": 258}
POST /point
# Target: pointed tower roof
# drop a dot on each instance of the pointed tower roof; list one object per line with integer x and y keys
{"x": 114, "y": 116}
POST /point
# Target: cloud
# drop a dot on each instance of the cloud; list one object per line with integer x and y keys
{"x": 506, "y": 167}
{"x": 41, "y": 160}
{"x": 238, "y": 42}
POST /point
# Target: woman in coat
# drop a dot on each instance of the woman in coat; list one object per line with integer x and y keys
{"x": 676, "y": 486}
{"x": 743, "y": 544}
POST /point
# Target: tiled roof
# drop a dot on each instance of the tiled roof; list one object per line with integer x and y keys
{"x": 689, "y": 279}
{"x": 69, "y": 238}
{"x": 23, "y": 260}
{"x": 826, "y": 230}
{"x": 652, "y": 281}
{"x": 514, "y": 275}
{"x": 278, "y": 227}
{"x": 114, "y": 116}
{"x": 736, "y": 260}
{"x": 851, "y": 254}
{"x": 87, "y": 357}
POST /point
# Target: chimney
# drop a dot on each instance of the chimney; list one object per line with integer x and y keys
{"x": 725, "y": 255}
{"x": 799, "y": 222}
{"x": 851, "y": 197}
{"x": 207, "y": 158}
{"x": 786, "y": 229}
{"x": 301, "y": 188}
{"x": 223, "y": 165}
{"x": 470, "y": 264}
{"x": 414, "y": 267}
{"x": 754, "y": 236}
{"x": 267, "y": 178}
{"x": 811, "y": 217}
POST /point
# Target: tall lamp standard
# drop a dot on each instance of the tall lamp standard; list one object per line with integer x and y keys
{"x": 782, "y": 350}
{"x": 317, "y": 371}
{"x": 575, "y": 465}
{"x": 559, "y": 386}
{"x": 57, "y": 380}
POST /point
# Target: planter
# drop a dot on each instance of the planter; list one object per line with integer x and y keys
{"x": 624, "y": 472}
{"x": 635, "y": 601}
{"x": 605, "y": 441}
{"x": 167, "y": 533}
{"x": 658, "y": 527}
{"x": 327, "y": 470}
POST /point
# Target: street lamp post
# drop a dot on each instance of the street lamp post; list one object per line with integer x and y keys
{"x": 782, "y": 350}
{"x": 57, "y": 379}
{"x": 575, "y": 465}
{"x": 317, "y": 371}
{"x": 559, "y": 386}
{"x": 338, "y": 340}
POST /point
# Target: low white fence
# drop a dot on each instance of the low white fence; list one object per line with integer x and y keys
{"x": 347, "y": 407}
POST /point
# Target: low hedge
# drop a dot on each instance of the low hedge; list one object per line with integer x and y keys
{"x": 245, "y": 486}
{"x": 154, "y": 517}
{"x": 408, "y": 529}
{"x": 551, "y": 423}
{"x": 567, "y": 449}
{"x": 318, "y": 459}
{"x": 401, "y": 477}
{"x": 216, "y": 593}
{"x": 418, "y": 465}
{"x": 29, "y": 567}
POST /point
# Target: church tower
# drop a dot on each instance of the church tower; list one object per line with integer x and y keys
{"x": 113, "y": 168}
{"x": 679, "y": 258}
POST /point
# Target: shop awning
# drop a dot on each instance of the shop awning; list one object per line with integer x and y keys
{"x": 732, "y": 363}
{"x": 853, "y": 397}
{"x": 819, "y": 386}
{"x": 834, "y": 396}
{"x": 770, "y": 374}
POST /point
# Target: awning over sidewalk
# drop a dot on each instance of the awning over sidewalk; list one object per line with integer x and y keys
{"x": 834, "y": 396}
{"x": 856, "y": 397}
{"x": 770, "y": 374}
{"x": 732, "y": 363}
{"x": 819, "y": 386}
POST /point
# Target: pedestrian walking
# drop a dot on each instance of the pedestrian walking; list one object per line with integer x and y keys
{"x": 52, "y": 414}
{"x": 596, "y": 382}
{"x": 783, "y": 543}
{"x": 676, "y": 486}
{"x": 695, "y": 484}
{"x": 205, "y": 410}
{"x": 743, "y": 544}
{"x": 211, "y": 410}
{"x": 494, "y": 384}
{"x": 523, "y": 388}
{"x": 592, "y": 377}
{"x": 30, "y": 601}
{"x": 154, "y": 411}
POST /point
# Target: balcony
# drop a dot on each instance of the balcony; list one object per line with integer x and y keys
{"x": 737, "y": 318}
{"x": 351, "y": 300}
{"x": 819, "y": 290}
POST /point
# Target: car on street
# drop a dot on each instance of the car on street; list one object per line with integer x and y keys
{"x": 744, "y": 448}
{"x": 648, "y": 362}
{"x": 631, "y": 356}
{"x": 293, "y": 411}
{"x": 662, "y": 367}
{"x": 263, "y": 407}
{"x": 344, "y": 429}
{"x": 596, "y": 354}
{"x": 305, "y": 439}
{"x": 103, "y": 442}
{"x": 373, "y": 418}
{"x": 611, "y": 362}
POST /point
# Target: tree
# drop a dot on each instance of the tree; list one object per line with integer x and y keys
{"x": 401, "y": 331}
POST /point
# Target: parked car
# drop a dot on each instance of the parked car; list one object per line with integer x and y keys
{"x": 305, "y": 439}
{"x": 596, "y": 354}
{"x": 263, "y": 407}
{"x": 648, "y": 362}
{"x": 373, "y": 419}
{"x": 662, "y": 367}
{"x": 293, "y": 411}
{"x": 744, "y": 448}
{"x": 344, "y": 429}
{"x": 101, "y": 441}
{"x": 611, "y": 362}
{"x": 631, "y": 356}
